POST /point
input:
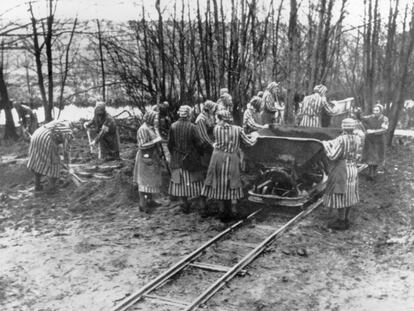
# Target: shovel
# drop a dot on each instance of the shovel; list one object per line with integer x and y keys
{"x": 75, "y": 178}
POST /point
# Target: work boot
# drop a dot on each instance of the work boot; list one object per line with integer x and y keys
{"x": 143, "y": 203}
{"x": 53, "y": 188}
{"x": 186, "y": 206}
{"x": 204, "y": 211}
{"x": 226, "y": 214}
{"x": 38, "y": 186}
{"x": 339, "y": 225}
{"x": 153, "y": 203}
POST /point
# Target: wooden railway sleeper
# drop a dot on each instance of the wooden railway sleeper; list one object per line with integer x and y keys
{"x": 167, "y": 300}
{"x": 214, "y": 267}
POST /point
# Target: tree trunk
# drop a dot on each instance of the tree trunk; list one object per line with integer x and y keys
{"x": 293, "y": 59}
{"x": 10, "y": 130}
{"x": 38, "y": 53}
{"x": 406, "y": 52}
{"x": 101, "y": 60}
{"x": 316, "y": 45}
{"x": 48, "y": 43}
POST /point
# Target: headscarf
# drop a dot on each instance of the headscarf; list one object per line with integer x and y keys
{"x": 225, "y": 115}
{"x": 184, "y": 111}
{"x": 256, "y": 102}
{"x": 149, "y": 117}
{"x": 61, "y": 130}
{"x": 348, "y": 124}
{"x": 210, "y": 106}
{"x": 321, "y": 89}
{"x": 223, "y": 90}
{"x": 272, "y": 86}
{"x": 227, "y": 100}
{"x": 100, "y": 107}
{"x": 380, "y": 107}
{"x": 260, "y": 94}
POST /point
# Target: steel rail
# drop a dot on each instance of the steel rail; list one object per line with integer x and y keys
{"x": 179, "y": 266}
{"x": 206, "y": 295}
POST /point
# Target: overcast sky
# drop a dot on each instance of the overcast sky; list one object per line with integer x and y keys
{"x": 123, "y": 10}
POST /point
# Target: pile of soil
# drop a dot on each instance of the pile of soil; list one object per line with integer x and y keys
{"x": 87, "y": 247}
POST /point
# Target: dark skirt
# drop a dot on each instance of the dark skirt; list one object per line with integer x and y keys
{"x": 267, "y": 117}
{"x": 109, "y": 144}
{"x": 374, "y": 149}
{"x": 147, "y": 171}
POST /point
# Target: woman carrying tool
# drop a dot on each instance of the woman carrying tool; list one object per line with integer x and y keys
{"x": 107, "y": 137}
{"x": 342, "y": 186}
{"x": 186, "y": 172}
{"x": 223, "y": 180}
{"x": 374, "y": 148}
{"x": 310, "y": 111}
{"x": 148, "y": 165}
{"x": 44, "y": 152}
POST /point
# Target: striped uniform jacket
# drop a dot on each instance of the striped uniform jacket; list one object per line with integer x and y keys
{"x": 250, "y": 121}
{"x": 342, "y": 186}
{"x": 310, "y": 112}
{"x": 183, "y": 143}
{"x": 204, "y": 124}
{"x": 44, "y": 155}
{"x": 223, "y": 180}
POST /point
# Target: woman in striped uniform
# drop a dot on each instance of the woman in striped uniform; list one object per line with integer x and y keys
{"x": 44, "y": 151}
{"x": 342, "y": 186}
{"x": 310, "y": 111}
{"x": 223, "y": 180}
{"x": 251, "y": 116}
{"x": 374, "y": 148}
{"x": 186, "y": 171}
{"x": 205, "y": 125}
{"x": 271, "y": 108}
{"x": 147, "y": 169}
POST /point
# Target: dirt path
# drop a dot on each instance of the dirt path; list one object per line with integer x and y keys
{"x": 87, "y": 247}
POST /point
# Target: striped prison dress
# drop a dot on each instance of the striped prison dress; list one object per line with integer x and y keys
{"x": 251, "y": 121}
{"x": 147, "y": 169}
{"x": 204, "y": 125}
{"x": 271, "y": 109}
{"x": 310, "y": 111}
{"x": 44, "y": 157}
{"x": 223, "y": 181}
{"x": 186, "y": 176}
{"x": 342, "y": 186}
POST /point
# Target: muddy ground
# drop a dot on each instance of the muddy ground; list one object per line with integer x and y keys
{"x": 88, "y": 247}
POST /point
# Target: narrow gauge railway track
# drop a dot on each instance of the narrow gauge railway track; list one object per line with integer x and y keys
{"x": 146, "y": 293}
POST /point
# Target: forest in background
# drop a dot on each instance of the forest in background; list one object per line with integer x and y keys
{"x": 190, "y": 52}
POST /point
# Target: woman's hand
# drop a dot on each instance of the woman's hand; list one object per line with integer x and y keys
{"x": 157, "y": 140}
